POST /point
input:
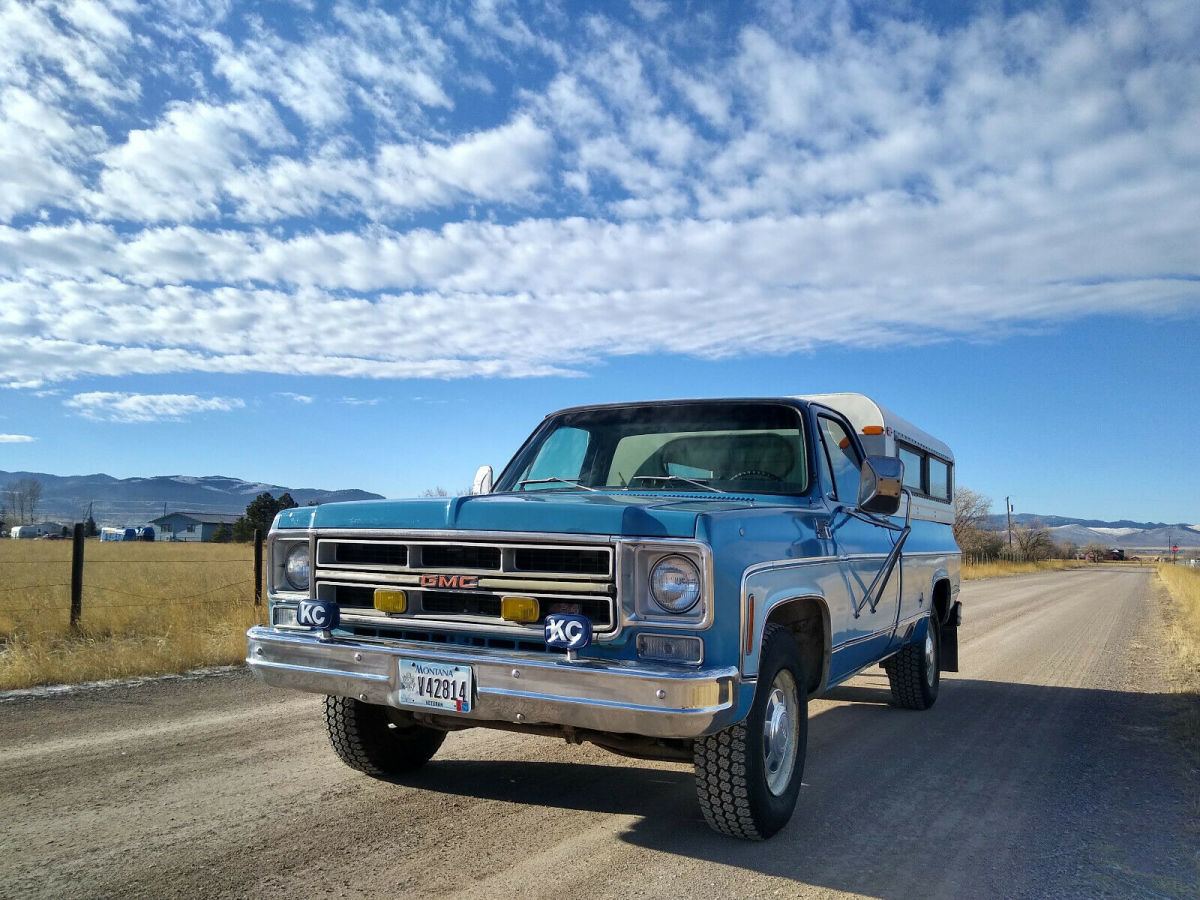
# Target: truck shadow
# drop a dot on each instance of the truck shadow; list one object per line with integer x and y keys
{"x": 1005, "y": 790}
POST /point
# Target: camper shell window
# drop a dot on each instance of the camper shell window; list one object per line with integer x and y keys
{"x": 926, "y": 474}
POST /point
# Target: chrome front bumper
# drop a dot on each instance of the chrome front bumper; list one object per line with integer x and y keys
{"x": 519, "y": 688}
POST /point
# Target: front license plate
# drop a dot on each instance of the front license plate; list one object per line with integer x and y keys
{"x": 436, "y": 685}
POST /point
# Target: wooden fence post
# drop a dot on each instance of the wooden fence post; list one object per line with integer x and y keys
{"x": 77, "y": 576}
{"x": 258, "y": 570}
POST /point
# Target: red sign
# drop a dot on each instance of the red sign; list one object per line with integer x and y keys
{"x": 1174, "y": 548}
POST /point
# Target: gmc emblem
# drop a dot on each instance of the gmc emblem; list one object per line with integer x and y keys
{"x": 467, "y": 582}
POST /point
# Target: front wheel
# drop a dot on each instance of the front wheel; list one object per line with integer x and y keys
{"x": 748, "y": 775}
{"x": 914, "y": 673}
{"x": 376, "y": 739}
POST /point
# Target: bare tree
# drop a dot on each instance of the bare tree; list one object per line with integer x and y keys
{"x": 1067, "y": 549}
{"x": 970, "y": 511}
{"x": 23, "y": 495}
{"x": 971, "y": 533}
{"x": 1033, "y": 541}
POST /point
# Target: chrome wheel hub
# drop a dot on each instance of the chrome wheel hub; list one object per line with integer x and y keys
{"x": 930, "y": 656}
{"x": 780, "y": 738}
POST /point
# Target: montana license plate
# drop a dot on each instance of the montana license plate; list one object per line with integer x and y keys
{"x": 436, "y": 685}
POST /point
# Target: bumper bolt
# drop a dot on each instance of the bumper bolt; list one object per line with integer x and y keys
{"x": 520, "y": 717}
{"x": 362, "y": 697}
{"x": 516, "y": 673}
{"x": 660, "y": 694}
{"x": 358, "y": 657}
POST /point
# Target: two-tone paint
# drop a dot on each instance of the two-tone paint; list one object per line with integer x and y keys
{"x": 805, "y": 561}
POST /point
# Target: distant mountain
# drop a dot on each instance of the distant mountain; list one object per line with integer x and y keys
{"x": 132, "y": 501}
{"x": 1148, "y": 537}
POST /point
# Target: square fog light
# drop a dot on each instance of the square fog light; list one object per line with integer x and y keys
{"x": 670, "y": 648}
{"x": 283, "y": 615}
{"x": 390, "y": 601}
{"x": 519, "y": 609}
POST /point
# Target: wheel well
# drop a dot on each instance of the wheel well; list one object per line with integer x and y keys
{"x": 941, "y": 600}
{"x": 808, "y": 623}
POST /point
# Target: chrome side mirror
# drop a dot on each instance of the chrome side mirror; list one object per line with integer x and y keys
{"x": 881, "y": 485}
{"x": 483, "y": 481}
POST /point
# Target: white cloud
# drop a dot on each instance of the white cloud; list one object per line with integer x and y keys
{"x": 38, "y": 147}
{"x": 652, "y": 10}
{"x": 16, "y": 439}
{"x": 389, "y": 62}
{"x": 501, "y": 165}
{"x": 80, "y": 60}
{"x": 297, "y": 398}
{"x": 414, "y": 194}
{"x": 109, "y": 406}
{"x": 175, "y": 170}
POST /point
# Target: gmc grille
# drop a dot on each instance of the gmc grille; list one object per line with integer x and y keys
{"x": 575, "y": 579}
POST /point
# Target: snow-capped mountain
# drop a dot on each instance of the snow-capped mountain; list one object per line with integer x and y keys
{"x": 130, "y": 501}
{"x": 1146, "y": 537}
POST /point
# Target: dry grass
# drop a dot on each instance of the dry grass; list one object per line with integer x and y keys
{"x": 1183, "y": 643}
{"x": 148, "y": 609}
{"x": 971, "y": 571}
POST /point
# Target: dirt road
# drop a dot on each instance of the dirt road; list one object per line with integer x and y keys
{"x": 1044, "y": 770}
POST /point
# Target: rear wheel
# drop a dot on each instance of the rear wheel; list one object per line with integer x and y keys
{"x": 748, "y": 775}
{"x": 914, "y": 673}
{"x": 376, "y": 739}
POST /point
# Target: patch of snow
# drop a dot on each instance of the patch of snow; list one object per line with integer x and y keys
{"x": 1194, "y": 527}
{"x": 55, "y": 690}
{"x": 1117, "y": 532}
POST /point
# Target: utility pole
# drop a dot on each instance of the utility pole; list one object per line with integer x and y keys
{"x": 1008, "y": 512}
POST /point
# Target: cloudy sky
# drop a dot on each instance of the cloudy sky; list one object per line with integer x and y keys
{"x": 345, "y": 245}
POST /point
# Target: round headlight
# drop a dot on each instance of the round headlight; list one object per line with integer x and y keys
{"x": 675, "y": 584}
{"x": 296, "y": 569}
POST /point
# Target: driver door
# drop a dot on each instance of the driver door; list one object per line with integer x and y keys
{"x": 861, "y": 632}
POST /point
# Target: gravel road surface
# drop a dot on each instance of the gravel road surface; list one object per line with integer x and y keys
{"x": 1047, "y": 769}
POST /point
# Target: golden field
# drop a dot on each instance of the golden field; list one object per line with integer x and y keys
{"x": 1183, "y": 643}
{"x": 157, "y": 608}
{"x": 148, "y": 609}
{"x": 971, "y": 571}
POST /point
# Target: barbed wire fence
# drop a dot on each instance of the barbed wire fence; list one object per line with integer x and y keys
{"x": 136, "y": 600}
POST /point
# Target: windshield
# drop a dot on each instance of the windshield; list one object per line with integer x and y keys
{"x": 708, "y": 448}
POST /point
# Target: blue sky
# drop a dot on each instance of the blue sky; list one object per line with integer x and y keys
{"x": 345, "y": 245}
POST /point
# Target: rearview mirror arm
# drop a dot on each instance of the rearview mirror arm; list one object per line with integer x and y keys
{"x": 880, "y": 582}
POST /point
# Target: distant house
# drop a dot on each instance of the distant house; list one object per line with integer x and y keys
{"x": 185, "y": 526}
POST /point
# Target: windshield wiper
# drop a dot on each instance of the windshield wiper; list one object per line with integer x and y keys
{"x": 554, "y": 480}
{"x": 678, "y": 478}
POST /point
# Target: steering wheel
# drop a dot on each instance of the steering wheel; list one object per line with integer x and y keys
{"x": 758, "y": 474}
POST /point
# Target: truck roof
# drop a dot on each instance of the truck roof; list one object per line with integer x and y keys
{"x": 866, "y": 416}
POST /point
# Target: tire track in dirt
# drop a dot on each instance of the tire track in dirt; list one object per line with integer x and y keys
{"x": 1044, "y": 770}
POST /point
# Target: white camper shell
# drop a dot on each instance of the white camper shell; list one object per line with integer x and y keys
{"x": 928, "y": 463}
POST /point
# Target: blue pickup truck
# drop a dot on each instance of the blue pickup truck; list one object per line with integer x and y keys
{"x": 668, "y": 580}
